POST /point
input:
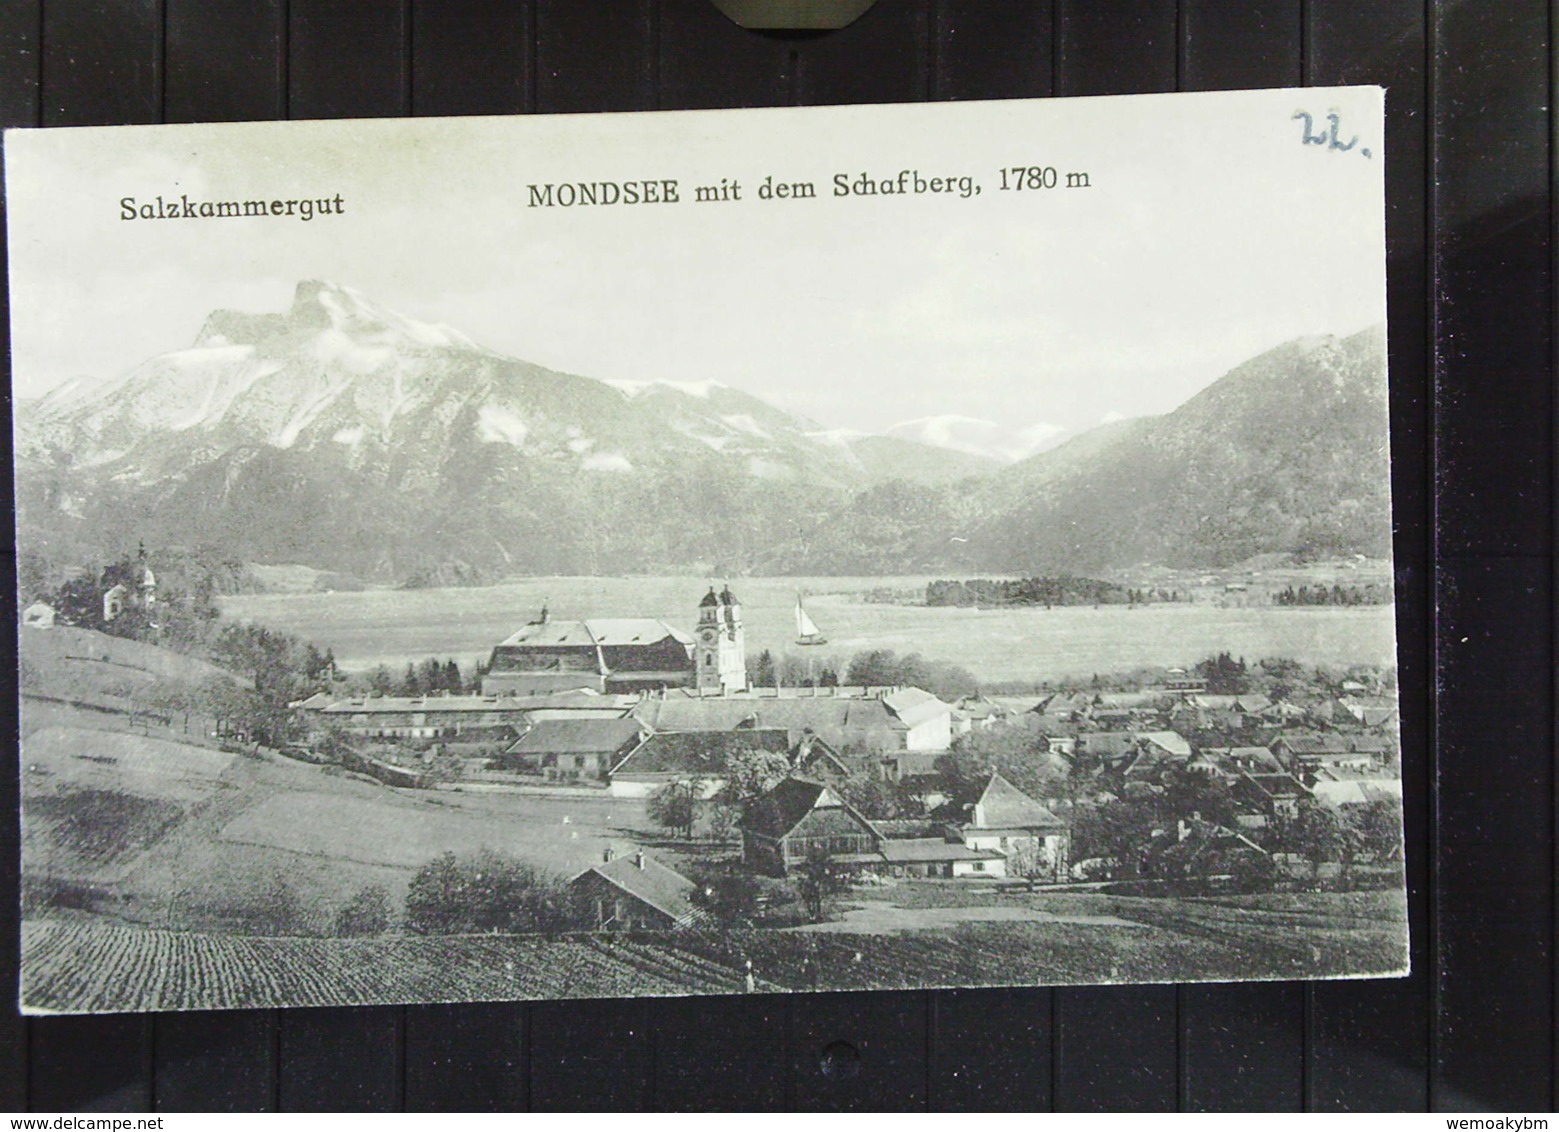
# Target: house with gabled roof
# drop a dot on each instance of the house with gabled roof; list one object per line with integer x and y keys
{"x": 1198, "y": 848}
{"x": 635, "y": 893}
{"x": 698, "y": 757}
{"x": 567, "y": 750}
{"x": 1006, "y": 820}
{"x": 798, "y": 818}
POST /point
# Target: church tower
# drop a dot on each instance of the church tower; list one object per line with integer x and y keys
{"x": 720, "y": 655}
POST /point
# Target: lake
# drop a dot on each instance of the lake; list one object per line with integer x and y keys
{"x": 393, "y": 626}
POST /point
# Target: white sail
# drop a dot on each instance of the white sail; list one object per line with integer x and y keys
{"x": 805, "y": 628}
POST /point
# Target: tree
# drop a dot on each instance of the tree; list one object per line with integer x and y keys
{"x": 1224, "y": 674}
{"x": 675, "y": 806}
{"x": 1022, "y": 757}
{"x": 877, "y": 799}
{"x": 1316, "y": 834}
{"x": 367, "y": 913}
{"x": 486, "y": 891}
{"x": 1116, "y": 832}
{"x": 730, "y": 899}
{"x": 819, "y": 877}
{"x": 750, "y": 773}
{"x": 1378, "y": 828}
{"x": 763, "y": 670}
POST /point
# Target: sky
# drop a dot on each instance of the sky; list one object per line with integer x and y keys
{"x": 1210, "y": 231}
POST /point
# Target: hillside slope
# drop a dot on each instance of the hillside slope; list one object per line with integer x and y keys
{"x": 1286, "y": 454}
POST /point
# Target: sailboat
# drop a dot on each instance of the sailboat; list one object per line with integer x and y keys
{"x": 806, "y": 630}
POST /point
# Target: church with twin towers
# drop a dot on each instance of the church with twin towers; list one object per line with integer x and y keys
{"x": 625, "y": 655}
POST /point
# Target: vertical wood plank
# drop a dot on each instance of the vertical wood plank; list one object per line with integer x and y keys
{"x": 341, "y": 1060}
{"x": 225, "y": 60}
{"x": 595, "y": 1056}
{"x": 1241, "y": 1045}
{"x": 883, "y": 57}
{"x": 720, "y": 1054}
{"x": 1491, "y": 225}
{"x": 1240, "y": 46}
{"x": 985, "y": 50}
{"x": 1493, "y": 398}
{"x": 347, "y": 59}
{"x": 20, "y": 24}
{"x": 858, "y": 1052}
{"x": 708, "y": 61}
{"x": 1116, "y": 46}
{"x": 595, "y": 57}
{"x": 102, "y": 62}
{"x": 466, "y": 1058}
{"x": 1116, "y": 1050}
{"x": 1368, "y": 1041}
{"x": 1495, "y": 1029}
{"x": 471, "y": 57}
{"x": 991, "y": 1050}
{"x": 85, "y": 1064}
{"x": 221, "y": 1061}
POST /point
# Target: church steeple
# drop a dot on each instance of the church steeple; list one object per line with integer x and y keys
{"x": 720, "y": 654}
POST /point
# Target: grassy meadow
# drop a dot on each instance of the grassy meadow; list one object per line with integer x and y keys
{"x": 390, "y": 627}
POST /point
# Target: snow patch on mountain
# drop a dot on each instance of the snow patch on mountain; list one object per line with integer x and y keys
{"x": 498, "y": 425}
{"x": 606, "y": 462}
{"x": 743, "y": 422}
{"x": 701, "y": 389}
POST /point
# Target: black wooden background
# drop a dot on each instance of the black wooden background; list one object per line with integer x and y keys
{"x": 1470, "y": 141}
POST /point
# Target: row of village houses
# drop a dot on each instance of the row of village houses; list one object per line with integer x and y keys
{"x": 1003, "y": 833}
{"x": 633, "y": 745}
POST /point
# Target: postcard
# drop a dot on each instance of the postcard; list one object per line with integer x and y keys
{"x": 710, "y": 552}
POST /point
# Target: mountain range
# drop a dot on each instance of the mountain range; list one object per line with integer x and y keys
{"x": 350, "y": 438}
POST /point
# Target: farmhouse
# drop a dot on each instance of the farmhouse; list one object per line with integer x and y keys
{"x": 635, "y": 893}
{"x": 702, "y": 757}
{"x": 1007, "y": 831}
{"x": 1006, "y": 820}
{"x": 689, "y": 756}
{"x": 798, "y": 818}
{"x": 38, "y": 615}
{"x": 567, "y": 750}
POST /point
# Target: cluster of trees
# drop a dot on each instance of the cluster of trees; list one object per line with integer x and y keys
{"x": 1062, "y": 590}
{"x": 487, "y": 891}
{"x": 791, "y": 671}
{"x": 749, "y": 773}
{"x": 880, "y": 667}
{"x": 429, "y": 678}
{"x": 1369, "y": 594}
{"x": 873, "y": 667}
{"x": 1225, "y": 675}
{"x": 183, "y": 617}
